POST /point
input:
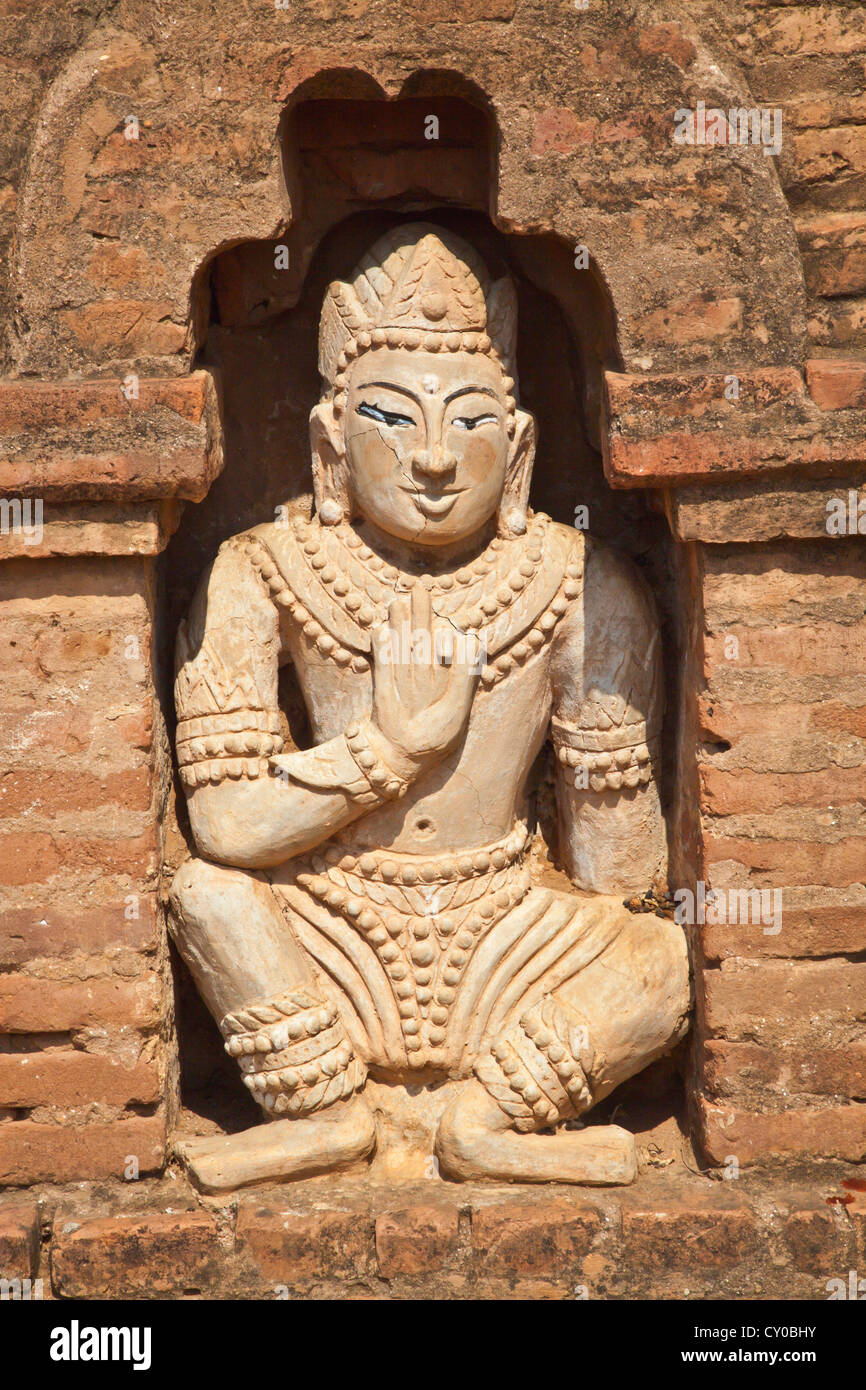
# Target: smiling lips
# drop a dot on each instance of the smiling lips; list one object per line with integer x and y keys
{"x": 434, "y": 504}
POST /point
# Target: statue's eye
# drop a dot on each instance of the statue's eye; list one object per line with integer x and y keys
{"x": 471, "y": 422}
{"x": 385, "y": 417}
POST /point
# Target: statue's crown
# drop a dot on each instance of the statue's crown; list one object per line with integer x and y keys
{"x": 418, "y": 286}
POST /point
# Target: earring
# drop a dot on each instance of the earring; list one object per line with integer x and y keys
{"x": 512, "y": 522}
{"x": 330, "y": 513}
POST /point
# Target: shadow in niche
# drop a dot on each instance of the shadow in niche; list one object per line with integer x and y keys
{"x": 267, "y": 364}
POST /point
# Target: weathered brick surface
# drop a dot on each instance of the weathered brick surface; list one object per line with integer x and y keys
{"x": 835, "y": 926}
{"x": 539, "y": 1239}
{"x": 838, "y": 384}
{"x": 837, "y": 1131}
{"x": 810, "y": 1002}
{"x": 416, "y": 1240}
{"x": 67, "y": 925}
{"x": 119, "y": 1257}
{"x": 289, "y": 1247}
{"x": 675, "y": 429}
{"x": 65, "y": 1078}
{"x": 33, "y": 1005}
{"x": 87, "y": 439}
{"x": 819, "y": 1241}
{"x": 784, "y": 1076}
{"x": 689, "y": 1237}
{"x": 834, "y": 255}
{"x": 32, "y": 1153}
{"x": 19, "y": 1240}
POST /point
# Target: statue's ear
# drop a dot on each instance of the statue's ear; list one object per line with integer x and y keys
{"x": 330, "y": 473}
{"x": 518, "y": 476}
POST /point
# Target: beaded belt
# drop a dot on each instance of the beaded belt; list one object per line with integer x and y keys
{"x": 423, "y": 917}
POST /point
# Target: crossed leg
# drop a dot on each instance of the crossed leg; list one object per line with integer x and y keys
{"x": 287, "y": 1038}
{"x": 563, "y": 1055}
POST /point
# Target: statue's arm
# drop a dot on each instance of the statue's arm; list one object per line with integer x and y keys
{"x": 608, "y": 702}
{"x": 228, "y": 739}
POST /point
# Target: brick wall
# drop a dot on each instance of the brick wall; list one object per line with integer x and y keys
{"x": 715, "y": 262}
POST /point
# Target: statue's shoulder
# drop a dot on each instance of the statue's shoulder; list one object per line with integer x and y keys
{"x": 271, "y": 549}
{"x": 565, "y": 541}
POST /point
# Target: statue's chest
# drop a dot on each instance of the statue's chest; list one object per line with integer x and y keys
{"x": 334, "y": 593}
{"x": 507, "y": 715}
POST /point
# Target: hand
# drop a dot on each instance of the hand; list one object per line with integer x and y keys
{"x": 424, "y": 677}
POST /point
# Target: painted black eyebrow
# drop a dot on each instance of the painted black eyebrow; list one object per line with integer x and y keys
{"x": 390, "y": 386}
{"x": 404, "y": 391}
{"x": 471, "y": 391}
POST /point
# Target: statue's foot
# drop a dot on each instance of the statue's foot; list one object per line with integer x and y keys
{"x": 282, "y": 1149}
{"x": 475, "y": 1140}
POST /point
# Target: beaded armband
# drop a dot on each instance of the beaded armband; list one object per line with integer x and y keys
{"x": 614, "y": 757}
{"x": 537, "y": 1071}
{"x": 381, "y": 781}
{"x": 293, "y": 1053}
{"x": 215, "y": 746}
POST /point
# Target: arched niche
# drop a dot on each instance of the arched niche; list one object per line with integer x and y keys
{"x": 258, "y": 305}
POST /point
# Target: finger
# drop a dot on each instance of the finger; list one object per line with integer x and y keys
{"x": 382, "y": 645}
{"x": 399, "y": 613}
{"x": 422, "y": 622}
{"x": 444, "y": 644}
{"x": 466, "y": 668}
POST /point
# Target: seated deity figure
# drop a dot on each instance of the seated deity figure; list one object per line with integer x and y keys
{"x": 362, "y": 912}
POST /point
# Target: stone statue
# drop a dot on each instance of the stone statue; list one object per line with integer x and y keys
{"x": 362, "y": 922}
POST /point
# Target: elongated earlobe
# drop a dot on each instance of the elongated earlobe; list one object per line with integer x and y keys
{"x": 515, "y": 496}
{"x": 330, "y": 475}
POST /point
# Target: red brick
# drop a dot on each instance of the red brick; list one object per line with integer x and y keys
{"x": 697, "y": 319}
{"x": 164, "y": 444}
{"x": 726, "y": 793}
{"x": 36, "y": 857}
{"x": 834, "y": 255}
{"x": 838, "y": 384}
{"x": 28, "y": 406}
{"x": 60, "y": 928}
{"x": 27, "y": 857}
{"x": 29, "y": 1079}
{"x": 833, "y": 1132}
{"x": 775, "y": 1001}
{"x": 32, "y": 1153}
{"x": 416, "y": 1240}
{"x": 838, "y": 323}
{"x": 19, "y": 1240}
{"x": 289, "y": 1247}
{"x": 43, "y": 792}
{"x": 667, "y": 41}
{"x": 688, "y": 1236}
{"x": 733, "y": 1070}
{"x": 831, "y": 930}
{"x": 546, "y": 1237}
{"x": 777, "y": 863}
{"x": 717, "y": 455}
{"x": 818, "y": 1245}
{"x": 35, "y": 734}
{"x": 820, "y": 648}
{"x": 29, "y": 1004}
{"x": 137, "y": 1256}
{"x": 730, "y": 720}
{"x": 817, "y": 29}
{"x": 836, "y": 153}
{"x": 559, "y": 131}
{"x": 124, "y": 327}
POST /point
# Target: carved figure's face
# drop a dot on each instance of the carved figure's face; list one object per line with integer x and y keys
{"x": 426, "y": 442}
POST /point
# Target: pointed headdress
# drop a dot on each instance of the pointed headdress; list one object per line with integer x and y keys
{"x": 419, "y": 286}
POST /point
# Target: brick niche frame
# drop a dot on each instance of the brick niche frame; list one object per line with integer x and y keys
{"x": 103, "y": 417}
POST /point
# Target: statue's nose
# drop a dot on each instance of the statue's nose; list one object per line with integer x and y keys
{"x": 434, "y": 463}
